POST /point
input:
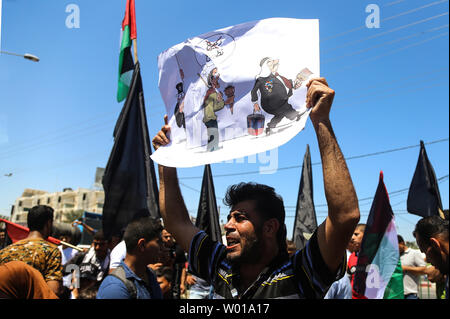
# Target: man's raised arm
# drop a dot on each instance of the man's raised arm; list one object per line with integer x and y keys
{"x": 171, "y": 203}
{"x": 343, "y": 212}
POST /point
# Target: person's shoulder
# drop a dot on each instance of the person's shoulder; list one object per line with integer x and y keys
{"x": 112, "y": 288}
{"x": 111, "y": 281}
{"x": 419, "y": 254}
{"x": 42, "y": 243}
{"x": 413, "y": 252}
{"x": 33, "y": 244}
{"x": 119, "y": 248}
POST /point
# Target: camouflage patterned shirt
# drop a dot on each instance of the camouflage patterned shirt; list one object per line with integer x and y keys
{"x": 38, "y": 253}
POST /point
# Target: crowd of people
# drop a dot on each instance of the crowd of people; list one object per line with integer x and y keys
{"x": 173, "y": 259}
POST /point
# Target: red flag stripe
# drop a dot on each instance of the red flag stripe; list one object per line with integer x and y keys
{"x": 18, "y": 232}
{"x": 130, "y": 19}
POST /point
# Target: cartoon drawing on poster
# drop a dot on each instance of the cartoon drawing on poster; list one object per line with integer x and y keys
{"x": 213, "y": 102}
{"x": 275, "y": 91}
{"x": 179, "y": 114}
{"x": 228, "y": 94}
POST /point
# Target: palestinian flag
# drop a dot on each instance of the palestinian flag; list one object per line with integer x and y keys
{"x": 126, "y": 64}
{"x": 379, "y": 256}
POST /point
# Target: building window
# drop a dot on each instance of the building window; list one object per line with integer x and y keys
{"x": 84, "y": 196}
{"x": 39, "y": 202}
{"x": 48, "y": 200}
{"x": 20, "y": 203}
{"x": 59, "y": 199}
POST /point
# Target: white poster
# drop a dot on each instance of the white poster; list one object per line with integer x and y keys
{"x": 237, "y": 91}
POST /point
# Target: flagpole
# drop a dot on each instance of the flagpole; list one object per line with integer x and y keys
{"x": 135, "y": 50}
{"x": 71, "y": 246}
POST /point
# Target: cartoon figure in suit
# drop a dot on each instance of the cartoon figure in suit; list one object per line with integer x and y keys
{"x": 275, "y": 91}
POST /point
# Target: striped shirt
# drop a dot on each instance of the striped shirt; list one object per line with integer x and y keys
{"x": 304, "y": 275}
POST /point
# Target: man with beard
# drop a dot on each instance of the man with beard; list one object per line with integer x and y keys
{"x": 431, "y": 235}
{"x": 255, "y": 263}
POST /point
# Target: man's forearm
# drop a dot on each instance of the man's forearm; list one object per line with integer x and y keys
{"x": 170, "y": 199}
{"x": 415, "y": 270}
{"x": 343, "y": 212}
{"x": 339, "y": 191}
{"x": 173, "y": 209}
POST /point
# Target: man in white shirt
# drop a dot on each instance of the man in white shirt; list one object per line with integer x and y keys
{"x": 413, "y": 265}
{"x": 117, "y": 255}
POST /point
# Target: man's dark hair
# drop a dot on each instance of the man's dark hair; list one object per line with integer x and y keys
{"x": 146, "y": 227}
{"x": 38, "y": 216}
{"x": 99, "y": 235}
{"x": 431, "y": 226}
{"x": 400, "y": 239}
{"x": 165, "y": 272}
{"x": 268, "y": 203}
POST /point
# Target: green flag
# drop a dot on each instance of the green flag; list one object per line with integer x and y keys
{"x": 126, "y": 64}
{"x": 394, "y": 289}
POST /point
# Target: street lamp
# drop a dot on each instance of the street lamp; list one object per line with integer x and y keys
{"x": 27, "y": 56}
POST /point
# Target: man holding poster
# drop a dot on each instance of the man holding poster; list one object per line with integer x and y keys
{"x": 254, "y": 263}
{"x": 263, "y": 67}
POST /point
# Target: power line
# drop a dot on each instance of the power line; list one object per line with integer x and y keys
{"x": 58, "y": 131}
{"x": 49, "y": 140}
{"x": 390, "y": 52}
{"x": 386, "y": 43}
{"x": 386, "y": 19}
{"x": 401, "y": 80}
{"x": 393, "y": 3}
{"x": 319, "y": 163}
{"x": 71, "y": 161}
{"x": 387, "y": 32}
{"x": 414, "y": 89}
{"x": 439, "y": 180}
{"x": 58, "y": 140}
{"x": 196, "y": 190}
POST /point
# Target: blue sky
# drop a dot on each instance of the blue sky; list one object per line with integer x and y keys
{"x": 57, "y": 116}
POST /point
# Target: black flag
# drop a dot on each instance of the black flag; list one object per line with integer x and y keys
{"x": 129, "y": 180}
{"x": 305, "y": 217}
{"x": 424, "y": 198}
{"x": 208, "y": 215}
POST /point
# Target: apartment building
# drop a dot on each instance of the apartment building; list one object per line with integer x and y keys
{"x": 65, "y": 203}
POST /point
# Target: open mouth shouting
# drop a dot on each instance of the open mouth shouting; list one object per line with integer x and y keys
{"x": 232, "y": 243}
